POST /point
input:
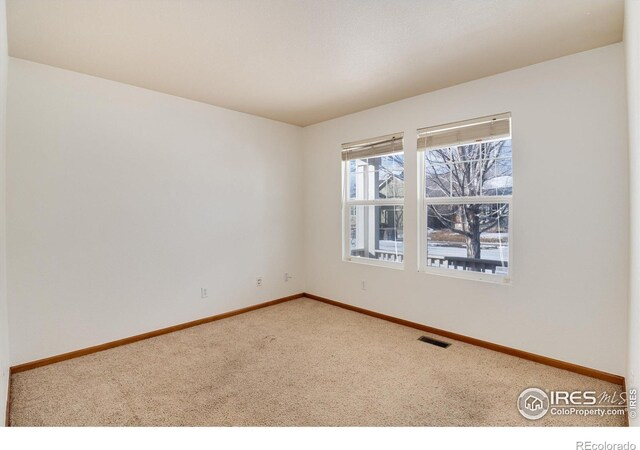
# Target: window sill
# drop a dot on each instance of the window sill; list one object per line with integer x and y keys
{"x": 375, "y": 262}
{"x": 468, "y": 275}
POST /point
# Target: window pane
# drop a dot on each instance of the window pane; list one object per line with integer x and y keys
{"x": 356, "y": 180}
{"x": 376, "y": 178}
{"x": 498, "y": 178}
{"x": 472, "y": 237}
{"x": 438, "y": 180}
{"x": 437, "y": 156}
{"x": 469, "y": 170}
{"x": 376, "y": 232}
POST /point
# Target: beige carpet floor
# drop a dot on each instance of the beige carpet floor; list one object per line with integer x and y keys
{"x": 298, "y": 363}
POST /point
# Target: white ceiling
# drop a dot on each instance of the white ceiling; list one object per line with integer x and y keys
{"x": 304, "y": 61}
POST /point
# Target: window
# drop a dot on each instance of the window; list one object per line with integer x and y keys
{"x": 466, "y": 206}
{"x": 373, "y": 200}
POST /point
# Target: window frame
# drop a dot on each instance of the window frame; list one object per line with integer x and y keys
{"x": 423, "y": 205}
{"x": 347, "y": 203}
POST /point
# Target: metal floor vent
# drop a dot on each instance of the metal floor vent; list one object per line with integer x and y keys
{"x": 435, "y": 342}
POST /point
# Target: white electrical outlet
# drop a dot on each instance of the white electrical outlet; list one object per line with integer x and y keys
{"x": 204, "y": 293}
{"x": 364, "y": 285}
{"x": 287, "y": 277}
{"x": 259, "y": 281}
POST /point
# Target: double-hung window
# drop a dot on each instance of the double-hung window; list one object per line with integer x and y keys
{"x": 373, "y": 200}
{"x": 466, "y": 198}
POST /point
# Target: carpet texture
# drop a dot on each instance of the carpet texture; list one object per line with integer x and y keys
{"x": 297, "y": 363}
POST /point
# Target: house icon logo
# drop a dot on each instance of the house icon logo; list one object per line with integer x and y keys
{"x": 533, "y": 403}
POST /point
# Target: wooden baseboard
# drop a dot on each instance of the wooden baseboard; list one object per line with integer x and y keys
{"x": 140, "y": 337}
{"x": 612, "y": 378}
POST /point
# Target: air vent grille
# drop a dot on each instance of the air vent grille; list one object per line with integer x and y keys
{"x": 433, "y": 341}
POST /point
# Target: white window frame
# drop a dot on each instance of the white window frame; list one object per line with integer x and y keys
{"x": 347, "y": 203}
{"x": 423, "y": 204}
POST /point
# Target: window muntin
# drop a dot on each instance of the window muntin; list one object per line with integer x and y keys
{"x": 373, "y": 202}
{"x": 466, "y": 206}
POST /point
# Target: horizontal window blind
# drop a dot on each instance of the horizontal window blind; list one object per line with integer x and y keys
{"x": 482, "y": 129}
{"x": 382, "y": 145}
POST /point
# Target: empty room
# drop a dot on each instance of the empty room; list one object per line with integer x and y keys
{"x": 325, "y": 214}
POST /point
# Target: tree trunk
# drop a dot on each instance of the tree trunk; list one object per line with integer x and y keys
{"x": 473, "y": 242}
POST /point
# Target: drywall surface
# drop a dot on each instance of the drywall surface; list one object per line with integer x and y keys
{"x": 124, "y": 203}
{"x": 4, "y": 333}
{"x": 632, "y": 47}
{"x": 570, "y": 274}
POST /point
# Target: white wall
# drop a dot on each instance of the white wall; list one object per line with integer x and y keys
{"x": 632, "y": 46}
{"x": 568, "y": 298}
{"x": 4, "y": 333}
{"x": 124, "y": 202}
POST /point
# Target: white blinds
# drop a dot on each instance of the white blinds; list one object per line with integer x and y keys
{"x": 367, "y": 148}
{"x": 469, "y": 131}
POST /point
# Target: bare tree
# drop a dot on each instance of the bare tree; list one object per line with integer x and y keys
{"x": 468, "y": 171}
{"x": 390, "y": 184}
